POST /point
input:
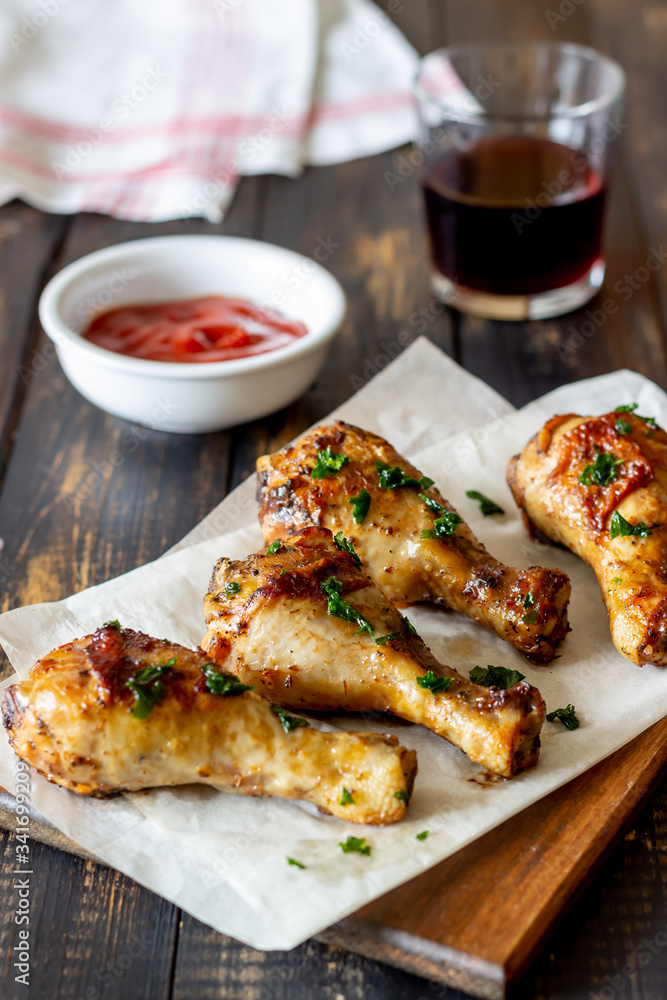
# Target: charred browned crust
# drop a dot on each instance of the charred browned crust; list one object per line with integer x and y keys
{"x": 293, "y": 575}
{"x": 459, "y": 573}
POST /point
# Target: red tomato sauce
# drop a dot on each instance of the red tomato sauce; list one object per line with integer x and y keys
{"x": 213, "y": 328}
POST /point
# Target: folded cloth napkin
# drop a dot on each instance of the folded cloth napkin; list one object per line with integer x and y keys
{"x": 152, "y": 110}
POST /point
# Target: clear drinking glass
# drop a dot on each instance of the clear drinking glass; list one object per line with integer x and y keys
{"x": 516, "y": 143}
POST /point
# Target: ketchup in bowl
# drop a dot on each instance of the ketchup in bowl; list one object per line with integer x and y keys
{"x": 213, "y": 328}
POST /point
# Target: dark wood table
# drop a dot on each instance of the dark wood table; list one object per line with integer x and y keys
{"x": 95, "y": 932}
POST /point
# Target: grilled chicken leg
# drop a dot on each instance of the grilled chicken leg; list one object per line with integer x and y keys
{"x": 310, "y": 630}
{"x": 90, "y": 717}
{"x": 586, "y": 483}
{"x": 452, "y": 569}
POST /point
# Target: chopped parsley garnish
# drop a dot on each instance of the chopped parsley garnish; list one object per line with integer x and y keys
{"x": 287, "y": 721}
{"x": 362, "y": 503}
{"x": 382, "y": 640}
{"x": 423, "y": 835}
{"x": 274, "y": 547}
{"x": 486, "y": 506}
{"x": 402, "y": 796}
{"x": 623, "y": 426}
{"x": 297, "y": 864}
{"x": 631, "y": 408}
{"x": 339, "y": 608}
{"x": 530, "y": 617}
{"x": 410, "y": 626}
{"x": 603, "y": 470}
{"x": 498, "y": 677}
{"x": 445, "y": 524}
{"x": 619, "y": 526}
{"x": 232, "y": 588}
{"x": 346, "y": 798}
{"x": 147, "y": 688}
{"x": 617, "y": 580}
{"x": 345, "y": 545}
{"x": 391, "y": 477}
{"x": 528, "y": 600}
{"x": 328, "y": 463}
{"x": 223, "y": 684}
{"x": 566, "y": 716}
{"x": 114, "y": 624}
{"x": 356, "y": 845}
{"x": 433, "y": 683}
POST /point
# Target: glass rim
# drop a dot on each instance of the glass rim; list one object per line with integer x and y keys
{"x": 583, "y": 110}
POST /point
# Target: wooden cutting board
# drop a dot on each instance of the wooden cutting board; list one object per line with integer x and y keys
{"x": 475, "y": 921}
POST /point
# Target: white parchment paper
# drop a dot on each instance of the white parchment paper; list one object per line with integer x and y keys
{"x": 223, "y": 857}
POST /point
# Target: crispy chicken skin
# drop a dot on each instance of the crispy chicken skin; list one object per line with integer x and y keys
{"x": 456, "y": 571}
{"x": 72, "y": 721}
{"x": 269, "y": 623}
{"x": 631, "y": 570}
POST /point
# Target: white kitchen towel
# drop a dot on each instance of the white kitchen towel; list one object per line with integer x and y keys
{"x": 151, "y": 111}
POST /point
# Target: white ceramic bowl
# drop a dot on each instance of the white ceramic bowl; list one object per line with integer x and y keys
{"x": 185, "y": 397}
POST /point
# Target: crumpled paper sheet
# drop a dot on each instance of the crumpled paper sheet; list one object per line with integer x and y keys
{"x": 223, "y": 857}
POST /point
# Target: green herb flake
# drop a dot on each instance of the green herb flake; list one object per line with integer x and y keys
{"x": 617, "y": 580}
{"x": 423, "y": 835}
{"x": 222, "y": 684}
{"x": 530, "y": 618}
{"x": 382, "y": 640}
{"x": 410, "y": 627}
{"x": 631, "y": 408}
{"x": 287, "y": 721}
{"x": 402, "y": 796}
{"x": 346, "y": 798}
{"x": 345, "y": 545}
{"x": 232, "y": 588}
{"x": 623, "y": 426}
{"x": 486, "y": 506}
{"x": 619, "y": 527}
{"x": 566, "y": 716}
{"x": 528, "y": 600}
{"x": 433, "y": 683}
{"x": 603, "y": 470}
{"x": 446, "y": 522}
{"x": 391, "y": 477}
{"x": 498, "y": 677}
{"x": 328, "y": 463}
{"x": 274, "y": 547}
{"x": 339, "y": 608}
{"x": 362, "y": 503}
{"x": 297, "y": 864}
{"x": 147, "y": 688}
{"x": 113, "y": 624}
{"x": 356, "y": 845}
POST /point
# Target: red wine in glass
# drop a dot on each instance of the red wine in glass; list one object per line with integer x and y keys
{"x": 514, "y": 215}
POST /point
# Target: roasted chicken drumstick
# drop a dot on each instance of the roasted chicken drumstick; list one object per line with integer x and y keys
{"x": 410, "y": 540}
{"x": 598, "y": 485}
{"x": 305, "y": 624}
{"x": 119, "y": 711}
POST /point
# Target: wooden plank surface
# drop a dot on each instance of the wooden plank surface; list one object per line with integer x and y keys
{"x": 68, "y": 521}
